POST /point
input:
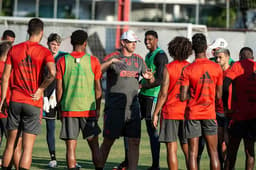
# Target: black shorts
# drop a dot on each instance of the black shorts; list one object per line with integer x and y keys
{"x": 70, "y": 128}
{"x": 171, "y": 130}
{"x": 24, "y": 117}
{"x": 3, "y": 130}
{"x": 243, "y": 129}
{"x": 195, "y": 128}
{"x": 222, "y": 120}
{"x": 116, "y": 126}
{"x": 147, "y": 106}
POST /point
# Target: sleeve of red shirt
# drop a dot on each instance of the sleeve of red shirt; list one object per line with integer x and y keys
{"x": 96, "y": 67}
{"x": 9, "y": 60}
{"x": 185, "y": 77}
{"x": 232, "y": 72}
{"x": 48, "y": 56}
{"x": 60, "y": 68}
{"x": 220, "y": 78}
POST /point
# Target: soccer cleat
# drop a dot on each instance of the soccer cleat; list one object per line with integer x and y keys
{"x": 121, "y": 166}
{"x": 52, "y": 164}
{"x": 78, "y": 166}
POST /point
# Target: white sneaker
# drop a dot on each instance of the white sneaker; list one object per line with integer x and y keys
{"x": 52, "y": 164}
{"x": 78, "y": 166}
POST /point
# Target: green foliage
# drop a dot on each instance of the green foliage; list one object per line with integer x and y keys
{"x": 220, "y": 20}
{"x": 7, "y": 8}
{"x": 213, "y": 16}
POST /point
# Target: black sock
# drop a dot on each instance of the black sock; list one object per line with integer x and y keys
{"x": 22, "y": 168}
{"x": 53, "y": 156}
{"x": 76, "y": 168}
{"x": 97, "y": 168}
{"x": 6, "y": 168}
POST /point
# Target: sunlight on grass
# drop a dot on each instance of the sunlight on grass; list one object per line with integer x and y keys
{"x": 41, "y": 156}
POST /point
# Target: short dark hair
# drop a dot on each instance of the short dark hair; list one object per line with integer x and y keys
{"x": 78, "y": 37}
{"x": 35, "y": 26}
{"x": 180, "y": 48}
{"x": 151, "y": 32}
{"x": 199, "y": 43}
{"x": 4, "y": 47}
{"x": 9, "y": 33}
{"x": 54, "y": 37}
{"x": 222, "y": 50}
{"x": 246, "y": 53}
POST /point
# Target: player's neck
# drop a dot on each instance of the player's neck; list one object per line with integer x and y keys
{"x": 225, "y": 67}
{"x": 35, "y": 38}
{"x": 201, "y": 55}
{"x": 79, "y": 48}
{"x": 3, "y": 58}
{"x": 152, "y": 49}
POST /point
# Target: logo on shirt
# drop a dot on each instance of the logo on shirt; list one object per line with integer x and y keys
{"x": 206, "y": 78}
{"x": 26, "y": 62}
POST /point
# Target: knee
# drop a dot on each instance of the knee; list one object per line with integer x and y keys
{"x": 134, "y": 141}
{"x": 250, "y": 154}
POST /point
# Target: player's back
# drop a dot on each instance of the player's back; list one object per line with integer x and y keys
{"x": 203, "y": 76}
{"x": 244, "y": 91}
{"x": 173, "y": 107}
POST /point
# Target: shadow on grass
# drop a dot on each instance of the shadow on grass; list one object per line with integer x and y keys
{"x": 41, "y": 163}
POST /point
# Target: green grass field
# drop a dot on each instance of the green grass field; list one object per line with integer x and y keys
{"x": 41, "y": 155}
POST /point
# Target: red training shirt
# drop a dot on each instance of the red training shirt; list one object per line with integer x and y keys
{"x": 27, "y": 60}
{"x": 96, "y": 68}
{"x": 243, "y": 74}
{"x": 173, "y": 107}
{"x": 202, "y": 77}
{"x": 2, "y": 64}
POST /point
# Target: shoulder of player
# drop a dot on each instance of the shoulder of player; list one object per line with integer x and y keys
{"x": 111, "y": 55}
{"x": 161, "y": 55}
{"x": 137, "y": 55}
{"x": 94, "y": 58}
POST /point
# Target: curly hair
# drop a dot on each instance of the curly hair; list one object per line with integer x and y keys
{"x": 180, "y": 48}
{"x": 199, "y": 43}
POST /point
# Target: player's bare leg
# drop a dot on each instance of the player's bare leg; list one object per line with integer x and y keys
{"x": 71, "y": 153}
{"x": 172, "y": 155}
{"x": 28, "y": 141}
{"x": 17, "y": 153}
{"x": 95, "y": 150}
{"x": 133, "y": 153}
{"x": 192, "y": 153}
{"x": 250, "y": 154}
{"x": 105, "y": 148}
{"x": 212, "y": 142}
{"x": 232, "y": 153}
{"x": 9, "y": 148}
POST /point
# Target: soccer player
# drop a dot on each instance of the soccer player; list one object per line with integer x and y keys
{"x": 155, "y": 60}
{"x": 79, "y": 95}
{"x": 215, "y": 45}
{"x": 49, "y": 114}
{"x": 8, "y": 35}
{"x": 4, "y": 48}
{"x": 243, "y": 108}
{"x": 173, "y": 110}
{"x": 27, "y": 61}
{"x": 222, "y": 57}
{"x": 122, "y": 110}
{"x": 202, "y": 81}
